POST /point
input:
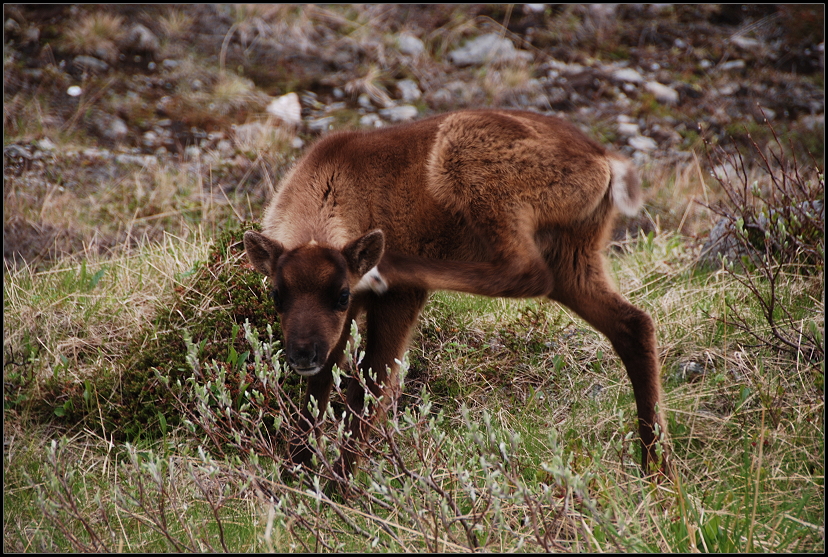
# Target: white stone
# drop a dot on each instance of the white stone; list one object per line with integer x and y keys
{"x": 150, "y": 139}
{"x": 490, "y": 47}
{"x": 321, "y": 124}
{"x": 733, "y": 65}
{"x": 628, "y": 129}
{"x": 400, "y": 113}
{"x": 46, "y": 144}
{"x": 370, "y": 121}
{"x": 746, "y": 43}
{"x": 662, "y": 93}
{"x": 409, "y": 44}
{"x": 113, "y": 129}
{"x": 408, "y": 90}
{"x": 287, "y": 109}
{"x": 642, "y": 143}
{"x": 142, "y": 39}
{"x": 627, "y": 75}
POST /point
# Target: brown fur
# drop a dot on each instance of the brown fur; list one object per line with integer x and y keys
{"x": 490, "y": 202}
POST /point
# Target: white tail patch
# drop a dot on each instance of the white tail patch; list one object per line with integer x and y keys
{"x": 372, "y": 280}
{"x": 625, "y": 186}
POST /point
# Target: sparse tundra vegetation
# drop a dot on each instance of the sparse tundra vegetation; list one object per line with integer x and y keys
{"x": 148, "y": 400}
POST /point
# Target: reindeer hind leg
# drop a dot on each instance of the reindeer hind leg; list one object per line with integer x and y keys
{"x": 589, "y": 293}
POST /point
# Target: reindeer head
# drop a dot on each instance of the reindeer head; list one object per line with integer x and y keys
{"x": 313, "y": 286}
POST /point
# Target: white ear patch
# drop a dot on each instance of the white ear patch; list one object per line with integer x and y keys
{"x": 372, "y": 280}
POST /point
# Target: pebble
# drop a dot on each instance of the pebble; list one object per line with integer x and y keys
{"x": 150, "y": 139}
{"x": 409, "y": 91}
{"x": 490, "y": 47}
{"x": 662, "y": 93}
{"x": 46, "y": 144}
{"x": 400, "y": 113}
{"x": 733, "y": 65}
{"x": 321, "y": 124}
{"x": 371, "y": 121}
{"x": 746, "y": 43}
{"x": 90, "y": 64}
{"x": 364, "y": 101}
{"x": 110, "y": 127}
{"x": 642, "y": 143}
{"x": 287, "y": 109}
{"x": 141, "y": 39}
{"x": 628, "y": 129}
{"x": 250, "y": 133}
{"x": 410, "y": 45}
{"x": 627, "y": 75}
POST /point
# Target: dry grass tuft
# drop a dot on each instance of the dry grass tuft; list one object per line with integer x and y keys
{"x": 96, "y": 34}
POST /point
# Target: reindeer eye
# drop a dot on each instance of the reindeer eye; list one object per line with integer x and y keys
{"x": 344, "y": 298}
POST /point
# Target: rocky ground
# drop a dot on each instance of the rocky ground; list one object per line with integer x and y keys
{"x": 229, "y": 93}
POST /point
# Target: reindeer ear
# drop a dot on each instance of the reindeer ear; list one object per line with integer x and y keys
{"x": 365, "y": 252}
{"x": 262, "y": 251}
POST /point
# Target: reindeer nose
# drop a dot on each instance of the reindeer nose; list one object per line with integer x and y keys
{"x": 304, "y": 358}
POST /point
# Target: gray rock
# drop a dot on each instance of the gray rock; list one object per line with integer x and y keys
{"x": 141, "y": 160}
{"x": 410, "y": 45}
{"x": 642, "y": 143}
{"x": 813, "y": 122}
{"x": 364, "y": 101}
{"x": 746, "y": 43}
{"x": 321, "y": 124}
{"x": 251, "y": 133}
{"x": 150, "y": 139}
{"x": 90, "y": 64}
{"x": 370, "y": 121}
{"x": 225, "y": 148}
{"x": 627, "y": 75}
{"x": 141, "y": 39}
{"x": 18, "y": 152}
{"x": 400, "y": 113}
{"x": 455, "y": 93}
{"x": 557, "y": 68}
{"x": 628, "y": 129}
{"x": 721, "y": 242}
{"x": 46, "y": 144}
{"x": 733, "y": 65}
{"x": 109, "y": 127}
{"x": 490, "y": 47}
{"x": 408, "y": 90}
{"x": 12, "y": 27}
{"x": 662, "y": 93}
{"x": 689, "y": 372}
{"x": 286, "y": 109}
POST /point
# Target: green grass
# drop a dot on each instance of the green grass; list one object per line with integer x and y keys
{"x": 516, "y": 427}
{"x": 515, "y": 408}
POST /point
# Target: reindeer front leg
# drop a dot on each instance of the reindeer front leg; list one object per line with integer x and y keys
{"x": 390, "y": 319}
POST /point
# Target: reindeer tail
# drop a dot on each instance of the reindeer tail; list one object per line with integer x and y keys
{"x": 625, "y": 186}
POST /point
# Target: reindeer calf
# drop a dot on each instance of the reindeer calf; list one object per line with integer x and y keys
{"x": 489, "y": 202}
